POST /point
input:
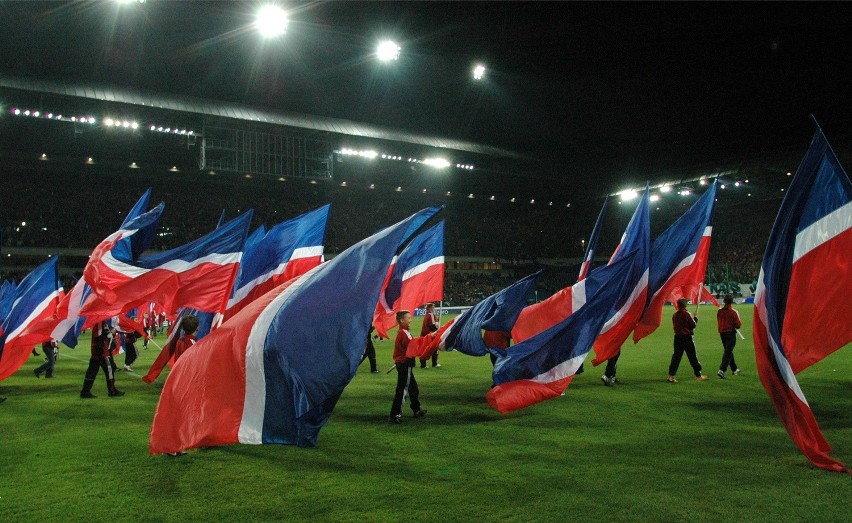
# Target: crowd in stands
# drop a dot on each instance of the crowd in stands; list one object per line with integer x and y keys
{"x": 72, "y": 210}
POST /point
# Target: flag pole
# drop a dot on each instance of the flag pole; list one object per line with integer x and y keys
{"x": 698, "y": 297}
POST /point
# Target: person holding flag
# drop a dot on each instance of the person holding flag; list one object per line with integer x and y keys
{"x": 49, "y": 349}
{"x": 729, "y": 321}
{"x": 101, "y": 337}
{"x": 370, "y": 352}
{"x": 430, "y": 325}
{"x": 405, "y": 371}
{"x": 189, "y": 324}
{"x": 684, "y": 325}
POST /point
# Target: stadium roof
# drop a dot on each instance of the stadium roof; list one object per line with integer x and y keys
{"x": 215, "y": 108}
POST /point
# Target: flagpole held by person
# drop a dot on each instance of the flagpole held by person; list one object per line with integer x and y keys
{"x": 684, "y": 325}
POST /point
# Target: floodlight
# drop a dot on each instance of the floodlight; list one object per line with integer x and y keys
{"x": 36, "y": 114}
{"x": 17, "y": 112}
{"x": 271, "y": 21}
{"x": 153, "y": 127}
{"x": 134, "y": 125}
{"x": 27, "y": 112}
{"x": 388, "y": 51}
{"x": 478, "y": 72}
{"x": 628, "y": 195}
{"x": 703, "y": 181}
{"x": 438, "y": 163}
{"x": 736, "y": 184}
{"x": 655, "y": 197}
{"x": 91, "y": 119}
{"x": 665, "y": 188}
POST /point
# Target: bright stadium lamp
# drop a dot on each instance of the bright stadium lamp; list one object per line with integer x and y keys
{"x": 478, "y": 72}
{"x": 388, "y": 51}
{"x": 438, "y": 163}
{"x": 628, "y": 195}
{"x": 655, "y": 197}
{"x": 271, "y": 21}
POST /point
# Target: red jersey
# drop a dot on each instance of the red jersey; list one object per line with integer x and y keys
{"x": 683, "y": 323}
{"x": 100, "y": 342}
{"x": 400, "y": 345}
{"x": 728, "y": 318}
{"x": 430, "y": 324}
{"x": 497, "y": 339}
{"x": 183, "y": 344}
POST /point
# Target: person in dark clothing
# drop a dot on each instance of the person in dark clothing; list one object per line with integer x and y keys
{"x": 608, "y": 377}
{"x": 729, "y": 321}
{"x": 99, "y": 358}
{"x": 684, "y": 324}
{"x": 370, "y": 352}
{"x": 430, "y": 325}
{"x": 49, "y": 350}
{"x": 404, "y": 371}
{"x": 130, "y": 350}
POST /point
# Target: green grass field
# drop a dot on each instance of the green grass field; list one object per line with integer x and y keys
{"x": 644, "y": 450}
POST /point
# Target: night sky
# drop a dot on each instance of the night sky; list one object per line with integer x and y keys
{"x": 613, "y": 90}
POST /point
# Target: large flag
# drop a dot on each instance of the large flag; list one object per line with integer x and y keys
{"x": 416, "y": 277}
{"x": 696, "y": 293}
{"x": 802, "y": 305}
{"x": 33, "y": 300}
{"x": 199, "y": 274}
{"x": 274, "y": 372}
{"x": 543, "y": 366}
{"x": 498, "y": 312}
{"x": 629, "y": 307}
{"x": 678, "y": 258}
{"x": 288, "y": 250}
{"x": 592, "y": 246}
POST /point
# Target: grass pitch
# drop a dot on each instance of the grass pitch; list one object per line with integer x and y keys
{"x": 643, "y": 450}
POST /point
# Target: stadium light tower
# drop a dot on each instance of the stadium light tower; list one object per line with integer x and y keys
{"x": 478, "y": 72}
{"x": 271, "y": 21}
{"x": 388, "y": 50}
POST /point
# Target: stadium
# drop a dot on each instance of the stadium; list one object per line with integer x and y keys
{"x": 189, "y": 101}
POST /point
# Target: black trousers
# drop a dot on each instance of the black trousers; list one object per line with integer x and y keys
{"x": 47, "y": 366}
{"x": 729, "y": 341}
{"x": 370, "y": 354}
{"x": 92, "y": 372}
{"x": 130, "y": 354}
{"x": 434, "y": 360}
{"x": 405, "y": 378}
{"x": 683, "y": 343}
{"x": 612, "y": 365}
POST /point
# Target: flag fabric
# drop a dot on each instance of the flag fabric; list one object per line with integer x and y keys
{"x": 274, "y": 372}
{"x": 34, "y": 300}
{"x": 592, "y": 246}
{"x": 286, "y": 251}
{"x": 103, "y": 270}
{"x": 543, "y": 366}
{"x": 678, "y": 258}
{"x": 416, "y": 277}
{"x": 221, "y": 220}
{"x": 498, "y": 312}
{"x": 199, "y": 274}
{"x": 629, "y": 307}
{"x": 805, "y": 276}
{"x": 67, "y": 323}
{"x": 695, "y": 293}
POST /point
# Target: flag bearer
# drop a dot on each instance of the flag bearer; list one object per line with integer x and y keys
{"x": 404, "y": 371}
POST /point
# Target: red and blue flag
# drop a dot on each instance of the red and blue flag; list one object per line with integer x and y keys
{"x": 416, "y": 277}
{"x": 678, "y": 260}
{"x": 592, "y": 246}
{"x": 802, "y": 305}
{"x": 274, "y": 372}
{"x": 33, "y": 301}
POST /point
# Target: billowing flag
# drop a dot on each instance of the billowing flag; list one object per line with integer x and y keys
{"x": 103, "y": 272}
{"x": 33, "y": 300}
{"x": 274, "y": 372}
{"x": 67, "y": 323}
{"x": 629, "y": 307}
{"x": 288, "y": 250}
{"x": 805, "y": 275}
{"x": 498, "y": 312}
{"x": 415, "y": 277}
{"x": 543, "y": 366}
{"x": 678, "y": 258}
{"x": 199, "y": 274}
{"x": 592, "y": 246}
{"x": 695, "y": 293}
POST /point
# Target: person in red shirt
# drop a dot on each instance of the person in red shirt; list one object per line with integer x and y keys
{"x": 147, "y": 325}
{"x": 684, "y": 324}
{"x": 430, "y": 325}
{"x": 189, "y": 324}
{"x": 102, "y": 336}
{"x": 404, "y": 371}
{"x": 729, "y": 321}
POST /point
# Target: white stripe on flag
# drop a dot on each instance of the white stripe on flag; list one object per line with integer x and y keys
{"x": 33, "y": 315}
{"x": 578, "y": 296}
{"x": 423, "y": 267}
{"x": 251, "y": 425}
{"x": 829, "y": 226}
{"x": 177, "y": 266}
{"x": 643, "y": 283}
{"x": 563, "y": 370}
{"x": 307, "y": 252}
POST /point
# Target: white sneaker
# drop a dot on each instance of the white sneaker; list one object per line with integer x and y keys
{"x": 737, "y": 372}
{"x": 127, "y": 368}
